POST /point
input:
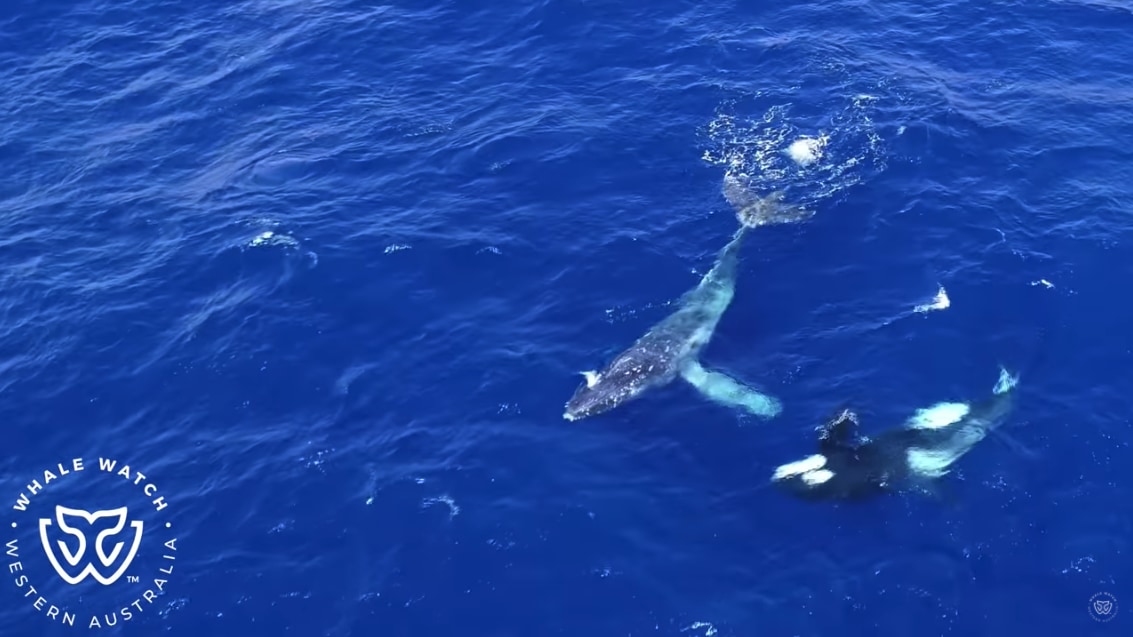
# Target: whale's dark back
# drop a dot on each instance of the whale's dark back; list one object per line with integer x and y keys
{"x": 650, "y": 362}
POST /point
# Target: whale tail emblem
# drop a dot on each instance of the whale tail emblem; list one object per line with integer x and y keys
{"x": 105, "y": 571}
{"x": 753, "y": 211}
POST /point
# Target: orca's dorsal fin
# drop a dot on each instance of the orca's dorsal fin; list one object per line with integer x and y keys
{"x": 839, "y": 433}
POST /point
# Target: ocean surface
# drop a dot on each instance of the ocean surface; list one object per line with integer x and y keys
{"x": 323, "y": 275}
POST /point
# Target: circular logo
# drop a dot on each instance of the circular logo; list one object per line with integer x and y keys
{"x": 1103, "y": 607}
{"x": 90, "y": 544}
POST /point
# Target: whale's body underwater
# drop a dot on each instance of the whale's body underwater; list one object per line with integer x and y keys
{"x": 671, "y": 349}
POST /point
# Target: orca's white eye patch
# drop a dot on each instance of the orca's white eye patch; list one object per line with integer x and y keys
{"x": 798, "y": 467}
{"x": 816, "y": 477}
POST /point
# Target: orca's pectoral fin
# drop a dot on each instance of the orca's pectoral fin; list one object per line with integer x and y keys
{"x": 725, "y": 390}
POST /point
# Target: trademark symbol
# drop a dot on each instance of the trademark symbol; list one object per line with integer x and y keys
{"x": 133, "y": 579}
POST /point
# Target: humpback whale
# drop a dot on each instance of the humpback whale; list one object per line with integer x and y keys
{"x": 671, "y": 348}
{"x": 851, "y": 468}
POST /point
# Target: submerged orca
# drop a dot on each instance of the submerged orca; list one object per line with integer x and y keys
{"x": 925, "y": 448}
{"x": 671, "y": 348}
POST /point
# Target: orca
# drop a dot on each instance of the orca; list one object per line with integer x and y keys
{"x": 847, "y": 466}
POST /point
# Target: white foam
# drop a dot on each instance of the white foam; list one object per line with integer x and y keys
{"x": 819, "y": 167}
{"x": 453, "y": 508}
{"x": 270, "y": 237}
{"x": 939, "y": 302}
{"x": 807, "y": 150}
{"x": 591, "y": 377}
{"x": 262, "y": 238}
{"x": 939, "y": 415}
{"x": 289, "y": 243}
{"x": 810, "y": 463}
{"x": 711, "y": 630}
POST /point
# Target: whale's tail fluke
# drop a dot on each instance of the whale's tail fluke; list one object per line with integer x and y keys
{"x": 1007, "y": 381}
{"x": 753, "y": 211}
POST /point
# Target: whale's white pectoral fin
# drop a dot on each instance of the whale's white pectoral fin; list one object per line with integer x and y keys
{"x": 591, "y": 377}
{"x": 726, "y": 390}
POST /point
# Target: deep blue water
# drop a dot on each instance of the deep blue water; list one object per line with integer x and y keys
{"x": 326, "y": 272}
